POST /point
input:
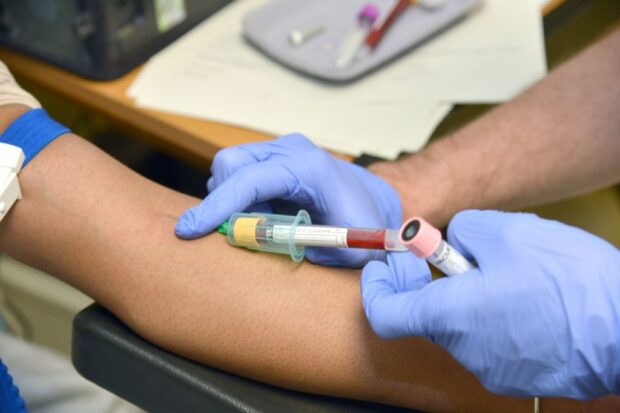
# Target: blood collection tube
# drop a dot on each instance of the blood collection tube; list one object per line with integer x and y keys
{"x": 354, "y": 39}
{"x": 288, "y": 234}
{"x": 425, "y": 241}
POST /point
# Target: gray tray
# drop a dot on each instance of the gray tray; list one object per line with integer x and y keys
{"x": 268, "y": 29}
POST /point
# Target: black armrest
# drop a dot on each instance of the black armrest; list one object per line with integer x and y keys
{"x": 108, "y": 353}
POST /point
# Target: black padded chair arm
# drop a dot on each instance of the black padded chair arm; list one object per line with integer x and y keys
{"x": 109, "y": 354}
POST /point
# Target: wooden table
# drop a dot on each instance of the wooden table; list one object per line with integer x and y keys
{"x": 198, "y": 137}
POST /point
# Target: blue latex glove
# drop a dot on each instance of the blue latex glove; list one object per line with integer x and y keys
{"x": 288, "y": 174}
{"x": 539, "y": 317}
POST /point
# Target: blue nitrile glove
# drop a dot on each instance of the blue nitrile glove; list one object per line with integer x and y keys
{"x": 539, "y": 317}
{"x": 288, "y": 174}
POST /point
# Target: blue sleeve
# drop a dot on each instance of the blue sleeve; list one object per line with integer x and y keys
{"x": 32, "y": 132}
{"x": 10, "y": 401}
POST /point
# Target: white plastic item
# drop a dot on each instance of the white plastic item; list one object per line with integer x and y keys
{"x": 11, "y": 161}
{"x": 431, "y": 4}
{"x": 425, "y": 241}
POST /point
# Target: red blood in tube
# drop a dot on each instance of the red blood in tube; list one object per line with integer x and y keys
{"x": 366, "y": 238}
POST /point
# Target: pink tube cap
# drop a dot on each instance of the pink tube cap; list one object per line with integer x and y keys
{"x": 420, "y": 237}
{"x": 369, "y": 12}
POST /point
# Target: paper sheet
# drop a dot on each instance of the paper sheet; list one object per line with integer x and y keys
{"x": 213, "y": 73}
{"x": 491, "y": 57}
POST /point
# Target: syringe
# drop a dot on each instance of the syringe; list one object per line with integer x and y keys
{"x": 287, "y": 234}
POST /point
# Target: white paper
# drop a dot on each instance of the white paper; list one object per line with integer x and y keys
{"x": 491, "y": 57}
{"x": 213, "y": 73}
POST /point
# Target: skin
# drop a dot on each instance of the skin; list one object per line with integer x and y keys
{"x": 557, "y": 140}
{"x": 109, "y": 232}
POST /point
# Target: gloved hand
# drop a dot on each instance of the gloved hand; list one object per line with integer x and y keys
{"x": 288, "y": 174}
{"x": 539, "y": 317}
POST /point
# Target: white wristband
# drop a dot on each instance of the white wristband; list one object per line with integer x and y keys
{"x": 11, "y": 160}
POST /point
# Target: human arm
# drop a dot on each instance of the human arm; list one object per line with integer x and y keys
{"x": 100, "y": 227}
{"x": 557, "y": 140}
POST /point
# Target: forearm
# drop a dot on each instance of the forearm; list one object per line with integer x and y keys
{"x": 109, "y": 232}
{"x": 557, "y": 140}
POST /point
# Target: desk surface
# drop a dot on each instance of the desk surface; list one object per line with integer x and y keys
{"x": 198, "y": 137}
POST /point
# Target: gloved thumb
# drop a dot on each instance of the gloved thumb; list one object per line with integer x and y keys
{"x": 247, "y": 187}
{"x": 482, "y": 235}
{"x": 393, "y": 294}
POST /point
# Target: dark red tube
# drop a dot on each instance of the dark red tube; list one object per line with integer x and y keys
{"x": 366, "y": 238}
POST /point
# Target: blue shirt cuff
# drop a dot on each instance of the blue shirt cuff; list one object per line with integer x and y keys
{"x": 32, "y": 132}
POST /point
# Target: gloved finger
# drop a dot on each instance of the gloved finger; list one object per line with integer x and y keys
{"x": 262, "y": 207}
{"x": 343, "y": 257}
{"x": 294, "y": 140}
{"x": 409, "y": 271}
{"x": 460, "y": 230}
{"x": 488, "y": 236}
{"x": 228, "y": 161}
{"x": 389, "y": 311}
{"x": 210, "y": 184}
{"x": 249, "y": 186}
{"x": 438, "y": 310}
{"x": 389, "y": 200}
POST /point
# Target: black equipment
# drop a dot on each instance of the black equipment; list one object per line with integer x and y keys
{"x": 98, "y": 39}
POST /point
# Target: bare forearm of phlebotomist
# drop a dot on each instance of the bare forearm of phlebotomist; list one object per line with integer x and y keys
{"x": 559, "y": 139}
